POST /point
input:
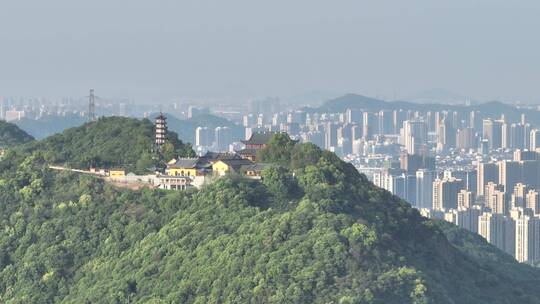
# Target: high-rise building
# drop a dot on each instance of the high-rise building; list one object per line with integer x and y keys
{"x": 430, "y": 121}
{"x": 415, "y": 137}
{"x": 532, "y": 201}
{"x": 465, "y": 199}
{"x": 520, "y": 155}
{"x": 519, "y": 194}
{"x": 249, "y": 120}
{"x": 411, "y": 163}
{"x": 330, "y": 135}
{"x": 445, "y": 193}
{"x": 466, "y": 139}
{"x": 399, "y": 117}
{"x": 317, "y": 138}
{"x": 535, "y": 139}
{"x": 498, "y": 230}
{"x": 356, "y": 132}
{"x": 369, "y": 128}
{"x": 505, "y": 135}
{"x": 527, "y": 130}
{"x": 424, "y": 188}
{"x": 344, "y": 139}
{"x": 492, "y": 131}
{"x": 223, "y": 138}
{"x": 277, "y": 119}
{"x": 487, "y": 172}
{"x": 204, "y": 136}
{"x": 473, "y": 120}
{"x": 467, "y": 218}
{"x": 386, "y": 122}
{"x": 527, "y": 239}
{"x": 510, "y": 173}
{"x": 353, "y": 116}
{"x": 393, "y": 180}
{"x": 469, "y": 178}
{"x": 517, "y": 136}
{"x": 496, "y": 199}
{"x": 446, "y": 135}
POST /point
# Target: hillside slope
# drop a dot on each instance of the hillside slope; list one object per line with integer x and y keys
{"x": 11, "y": 135}
{"x": 315, "y": 231}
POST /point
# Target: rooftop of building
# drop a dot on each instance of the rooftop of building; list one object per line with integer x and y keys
{"x": 259, "y": 138}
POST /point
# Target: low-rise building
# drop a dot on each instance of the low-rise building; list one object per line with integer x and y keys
{"x": 117, "y": 172}
{"x": 174, "y": 182}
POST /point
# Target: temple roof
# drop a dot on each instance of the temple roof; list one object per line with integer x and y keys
{"x": 187, "y": 163}
{"x": 259, "y": 138}
{"x": 237, "y": 162}
{"x": 212, "y": 156}
{"x": 247, "y": 151}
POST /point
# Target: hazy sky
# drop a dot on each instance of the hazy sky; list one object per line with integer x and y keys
{"x": 156, "y": 49}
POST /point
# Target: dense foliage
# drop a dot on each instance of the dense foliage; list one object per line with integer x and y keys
{"x": 314, "y": 231}
{"x": 108, "y": 142}
{"x": 11, "y": 135}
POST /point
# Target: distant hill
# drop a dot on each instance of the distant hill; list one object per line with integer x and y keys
{"x": 49, "y": 125}
{"x": 492, "y": 109}
{"x": 11, "y": 135}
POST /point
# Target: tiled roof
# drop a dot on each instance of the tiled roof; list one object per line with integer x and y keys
{"x": 185, "y": 163}
{"x": 211, "y": 156}
{"x": 247, "y": 152}
{"x": 237, "y": 162}
{"x": 259, "y": 138}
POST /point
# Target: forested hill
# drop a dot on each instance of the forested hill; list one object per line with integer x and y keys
{"x": 11, "y": 135}
{"x": 107, "y": 142}
{"x": 313, "y": 231}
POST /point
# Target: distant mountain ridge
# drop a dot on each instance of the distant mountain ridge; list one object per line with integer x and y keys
{"x": 360, "y": 102}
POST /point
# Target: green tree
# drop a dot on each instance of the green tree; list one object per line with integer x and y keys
{"x": 277, "y": 150}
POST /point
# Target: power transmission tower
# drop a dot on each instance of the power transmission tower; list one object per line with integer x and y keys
{"x": 91, "y": 106}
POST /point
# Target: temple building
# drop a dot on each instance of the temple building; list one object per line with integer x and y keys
{"x": 256, "y": 142}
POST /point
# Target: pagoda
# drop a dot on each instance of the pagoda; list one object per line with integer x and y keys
{"x": 161, "y": 131}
